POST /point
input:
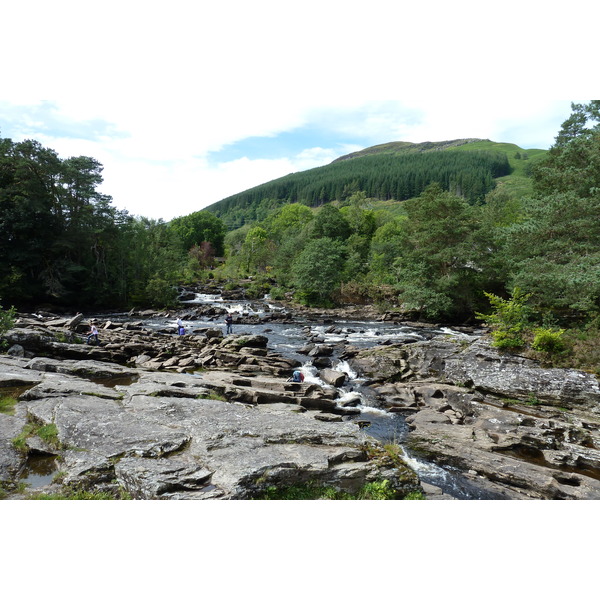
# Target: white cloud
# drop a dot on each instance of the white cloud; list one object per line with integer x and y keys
{"x": 180, "y": 80}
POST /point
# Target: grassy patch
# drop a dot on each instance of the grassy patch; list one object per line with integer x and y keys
{"x": 81, "y": 494}
{"x": 374, "y": 490}
{"x": 46, "y": 432}
{"x": 7, "y": 404}
{"x": 20, "y": 442}
{"x": 49, "y": 434}
{"x": 308, "y": 491}
{"x": 213, "y": 395}
{"x": 9, "y": 396}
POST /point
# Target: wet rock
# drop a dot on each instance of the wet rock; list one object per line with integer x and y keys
{"x": 16, "y": 350}
{"x": 473, "y": 408}
{"x": 335, "y": 378}
{"x": 321, "y": 350}
{"x": 322, "y": 362}
{"x": 214, "y": 333}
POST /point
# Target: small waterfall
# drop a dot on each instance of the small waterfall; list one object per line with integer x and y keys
{"x": 391, "y": 428}
{"x": 344, "y": 367}
{"x": 386, "y": 427}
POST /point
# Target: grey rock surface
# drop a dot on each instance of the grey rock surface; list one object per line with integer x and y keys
{"x": 165, "y": 435}
{"x": 502, "y": 420}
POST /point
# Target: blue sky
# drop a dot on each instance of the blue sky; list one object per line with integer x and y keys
{"x": 187, "y": 104}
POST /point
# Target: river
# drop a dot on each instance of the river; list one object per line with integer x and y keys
{"x": 287, "y": 339}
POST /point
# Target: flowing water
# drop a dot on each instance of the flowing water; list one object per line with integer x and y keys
{"x": 287, "y": 339}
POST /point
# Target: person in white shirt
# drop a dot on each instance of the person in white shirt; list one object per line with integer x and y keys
{"x": 93, "y": 335}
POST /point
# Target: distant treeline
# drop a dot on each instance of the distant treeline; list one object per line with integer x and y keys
{"x": 469, "y": 174}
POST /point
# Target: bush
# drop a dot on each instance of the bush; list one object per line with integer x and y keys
{"x": 7, "y": 319}
{"x": 277, "y": 293}
{"x": 508, "y": 320}
{"x": 161, "y": 293}
{"x": 582, "y": 349}
{"x": 377, "y": 490}
{"x": 548, "y": 340}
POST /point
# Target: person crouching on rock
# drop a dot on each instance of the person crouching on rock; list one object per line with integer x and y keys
{"x": 93, "y": 335}
{"x": 297, "y": 377}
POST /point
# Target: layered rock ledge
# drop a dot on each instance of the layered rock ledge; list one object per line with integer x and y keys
{"x": 157, "y": 416}
{"x": 511, "y": 426}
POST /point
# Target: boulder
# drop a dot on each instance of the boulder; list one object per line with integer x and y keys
{"x": 331, "y": 377}
{"x": 74, "y": 322}
{"x": 16, "y": 350}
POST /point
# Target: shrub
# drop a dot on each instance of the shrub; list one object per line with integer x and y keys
{"x": 377, "y": 490}
{"x": 508, "y": 320}
{"x": 161, "y": 293}
{"x": 277, "y": 293}
{"x": 548, "y": 340}
{"x": 7, "y": 319}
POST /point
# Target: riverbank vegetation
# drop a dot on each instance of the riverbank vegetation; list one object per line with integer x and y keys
{"x": 62, "y": 243}
{"x": 478, "y": 233}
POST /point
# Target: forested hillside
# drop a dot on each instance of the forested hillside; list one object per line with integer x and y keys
{"x": 528, "y": 264}
{"x": 522, "y": 254}
{"x": 394, "y": 171}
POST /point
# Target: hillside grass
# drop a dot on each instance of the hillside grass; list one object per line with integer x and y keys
{"x": 517, "y": 183}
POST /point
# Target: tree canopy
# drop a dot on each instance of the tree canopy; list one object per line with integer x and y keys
{"x": 63, "y": 243}
{"x": 469, "y": 174}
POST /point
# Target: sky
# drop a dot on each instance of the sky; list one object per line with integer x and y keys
{"x": 187, "y": 102}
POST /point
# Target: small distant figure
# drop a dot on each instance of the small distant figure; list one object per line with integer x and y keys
{"x": 229, "y": 323}
{"x": 93, "y": 335}
{"x": 180, "y": 327}
{"x": 297, "y": 377}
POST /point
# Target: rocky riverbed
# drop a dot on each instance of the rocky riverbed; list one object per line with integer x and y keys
{"x": 150, "y": 414}
{"x": 515, "y": 428}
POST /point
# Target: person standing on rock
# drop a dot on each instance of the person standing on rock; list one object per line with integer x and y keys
{"x": 93, "y": 334}
{"x": 180, "y": 327}
{"x": 229, "y": 323}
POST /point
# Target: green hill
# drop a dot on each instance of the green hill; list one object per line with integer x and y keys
{"x": 389, "y": 173}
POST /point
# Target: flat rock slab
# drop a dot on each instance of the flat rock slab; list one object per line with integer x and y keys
{"x": 10, "y": 459}
{"x": 165, "y": 436}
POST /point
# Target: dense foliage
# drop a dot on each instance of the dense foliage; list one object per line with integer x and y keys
{"x": 383, "y": 176}
{"x": 456, "y": 249}
{"x": 61, "y": 241}
{"x": 533, "y": 260}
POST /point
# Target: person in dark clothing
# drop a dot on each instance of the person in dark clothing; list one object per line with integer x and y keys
{"x": 229, "y": 323}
